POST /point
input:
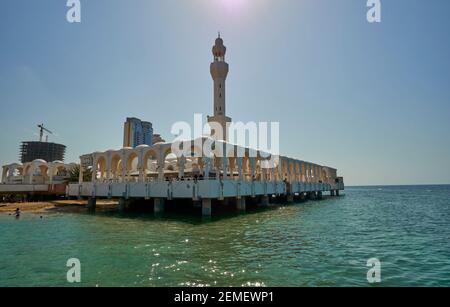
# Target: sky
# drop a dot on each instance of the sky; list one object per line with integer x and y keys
{"x": 371, "y": 99}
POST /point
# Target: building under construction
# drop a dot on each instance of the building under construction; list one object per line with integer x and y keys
{"x": 33, "y": 150}
{"x": 30, "y": 151}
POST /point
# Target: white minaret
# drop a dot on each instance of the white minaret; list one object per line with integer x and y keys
{"x": 219, "y": 72}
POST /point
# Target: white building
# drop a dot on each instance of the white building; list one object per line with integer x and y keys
{"x": 37, "y": 172}
{"x": 225, "y": 170}
{"x": 203, "y": 169}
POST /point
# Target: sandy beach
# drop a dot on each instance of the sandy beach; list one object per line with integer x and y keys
{"x": 56, "y": 206}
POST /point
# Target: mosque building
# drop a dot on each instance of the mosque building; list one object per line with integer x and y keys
{"x": 227, "y": 173}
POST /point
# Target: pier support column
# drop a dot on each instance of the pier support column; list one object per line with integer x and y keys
{"x": 206, "y": 207}
{"x": 302, "y": 196}
{"x": 337, "y": 192}
{"x": 265, "y": 201}
{"x": 312, "y": 195}
{"x": 92, "y": 203}
{"x": 123, "y": 204}
{"x": 319, "y": 195}
{"x": 158, "y": 206}
{"x": 241, "y": 204}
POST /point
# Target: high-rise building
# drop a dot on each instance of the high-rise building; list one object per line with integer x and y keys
{"x": 137, "y": 132}
{"x": 50, "y": 152}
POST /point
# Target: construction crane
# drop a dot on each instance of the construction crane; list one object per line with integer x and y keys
{"x": 41, "y": 132}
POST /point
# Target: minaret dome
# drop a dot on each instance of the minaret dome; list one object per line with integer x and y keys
{"x": 219, "y": 50}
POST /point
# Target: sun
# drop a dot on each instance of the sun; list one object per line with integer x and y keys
{"x": 234, "y": 5}
{"x": 225, "y": 10}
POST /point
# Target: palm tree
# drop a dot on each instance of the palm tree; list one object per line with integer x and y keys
{"x": 75, "y": 175}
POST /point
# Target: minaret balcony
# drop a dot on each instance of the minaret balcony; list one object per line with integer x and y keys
{"x": 219, "y": 70}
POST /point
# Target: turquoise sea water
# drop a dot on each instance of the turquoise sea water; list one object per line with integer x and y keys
{"x": 316, "y": 243}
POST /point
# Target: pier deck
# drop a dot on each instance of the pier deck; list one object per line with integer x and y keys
{"x": 213, "y": 189}
{"x": 49, "y": 189}
{"x": 201, "y": 190}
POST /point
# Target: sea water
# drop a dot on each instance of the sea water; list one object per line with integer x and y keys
{"x": 314, "y": 243}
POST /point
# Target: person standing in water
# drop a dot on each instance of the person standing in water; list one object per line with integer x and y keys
{"x": 17, "y": 213}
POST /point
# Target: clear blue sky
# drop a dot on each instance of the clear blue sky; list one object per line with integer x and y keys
{"x": 372, "y": 100}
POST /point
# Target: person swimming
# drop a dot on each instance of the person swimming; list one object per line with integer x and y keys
{"x": 17, "y": 213}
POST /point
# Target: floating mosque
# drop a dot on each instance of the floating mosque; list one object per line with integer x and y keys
{"x": 227, "y": 174}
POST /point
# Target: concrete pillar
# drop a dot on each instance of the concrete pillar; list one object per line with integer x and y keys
{"x": 4, "y": 172}
{"x": 206, "y": 207}
{"x": 141, "y": 174}
{"x": 302, "y": 196}
{"x": 263, "y": 173}
{"x": 206, "y": 167}
{"x": 280, "y": 169}
{"x": 80, "y": 175}
{"x": 241, "y": 171}
{"x": 272, "y": 174}
{"x": 303, "y": 172}
{"x": 265, "y": 201}
{"x": 319, "y": 195}
{"x": 51, "y": 171}
{"x": 181, "y": 165}
{"x": 108, "y": 173}
{"x": 158, "y": 206}
{"x": 124, "y": 169}
{"x": 300, "y": 173}
{"x": 94, "y": 169}
{"x": 92, "y": 203}
{"x": 225, "y": 167}
{"x": 160, "y": 164}
{"x": 123, "y": 204}
{"x": 252, "y": 167}
{"x": 287, "y": 175}
{"x": 31, "y": 175}
{"x": 241, "y": 204}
